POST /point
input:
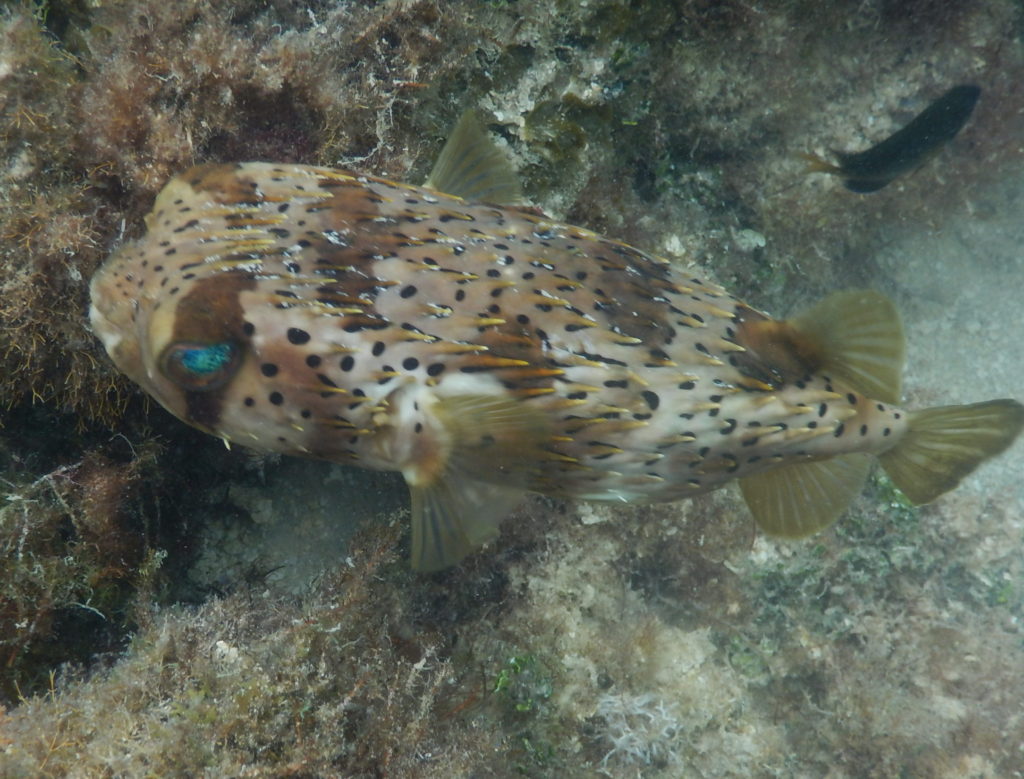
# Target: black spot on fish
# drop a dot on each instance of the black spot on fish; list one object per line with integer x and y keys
{"x": 410, "y": 363}
{"x": 313, "y": 360}
{"x": 276, "y": 398}
{"x": 840, "y": 429}
{"x": 408, "y": 291}
{"x": 378, "y": 349}
{"x": 651, "y": 399}
{"x": 297, "y": 336}
{"x": 348, "y": 362}
{"x": 435, "y": 369}
{"x": 268, "y": 369}
{"x": 863, "y": 429}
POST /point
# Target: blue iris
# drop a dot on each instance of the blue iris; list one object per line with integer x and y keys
{"x": 200, "y": 367}
{"x": 204, "y": 360}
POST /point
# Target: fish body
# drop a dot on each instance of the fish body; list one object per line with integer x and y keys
{"x": 485, "y": 350}
{"x": 906, "y": 149}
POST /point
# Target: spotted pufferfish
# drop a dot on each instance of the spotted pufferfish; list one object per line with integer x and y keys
{"x": 483, "y": 350}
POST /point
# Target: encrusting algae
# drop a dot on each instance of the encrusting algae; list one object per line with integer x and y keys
{"x": 484, "y": 350}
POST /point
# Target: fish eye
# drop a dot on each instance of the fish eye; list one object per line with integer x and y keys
{"x": 200, "y": 367}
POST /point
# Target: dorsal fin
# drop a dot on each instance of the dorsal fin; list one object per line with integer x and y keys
{"x": 858, "y": 337}
{"x": 473, "y": 168}
{"x": 853, "y": 337}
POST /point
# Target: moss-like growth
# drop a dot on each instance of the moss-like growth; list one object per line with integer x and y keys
{"x": 74, "y": 557}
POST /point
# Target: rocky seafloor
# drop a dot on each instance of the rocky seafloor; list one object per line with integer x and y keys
{"x": 172, "y": 608}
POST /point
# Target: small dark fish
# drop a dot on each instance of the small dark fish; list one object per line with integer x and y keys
{"x": 906, "y": 149}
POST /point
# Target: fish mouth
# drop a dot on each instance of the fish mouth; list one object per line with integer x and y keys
{"x": 104, "y": 330}
{"x": 110, "y": 319}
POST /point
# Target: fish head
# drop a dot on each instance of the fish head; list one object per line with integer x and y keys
{"x": 186, "y": 349}
{"x": 173, "y": 321}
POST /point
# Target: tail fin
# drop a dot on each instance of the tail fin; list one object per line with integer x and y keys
{"x": 943, "y": 445}
{"x": 816, "y": 164}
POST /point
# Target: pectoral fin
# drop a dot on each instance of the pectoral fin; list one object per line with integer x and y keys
{"x": 490, "y": 445}
{"x": 454, "y": 516}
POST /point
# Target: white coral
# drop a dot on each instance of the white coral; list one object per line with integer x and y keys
{"x": 641, "y": 728}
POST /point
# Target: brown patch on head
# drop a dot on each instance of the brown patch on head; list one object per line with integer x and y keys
{"x": 221, "y": 181}
{"x": 210, "y": 314}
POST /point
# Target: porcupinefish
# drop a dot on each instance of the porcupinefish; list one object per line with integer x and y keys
{"x": 906, "y": 149}
{"x": 484, "y": 350}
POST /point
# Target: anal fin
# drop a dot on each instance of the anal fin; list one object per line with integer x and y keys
{"x": 793, "y": 501}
